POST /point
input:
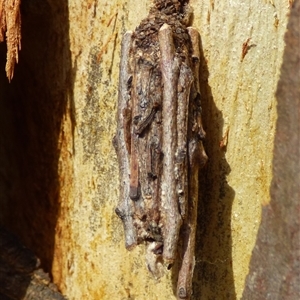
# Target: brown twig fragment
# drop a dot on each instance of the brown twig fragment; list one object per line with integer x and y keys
{"x": 196, "y": 158}
{"x": 125, "y": 208}
{"x": 134, "y": 164}
{"x": 195, "y": 40}
{"x": 169, "y": 197}
{"x": 245, "y": 49}
{"x": 184, "y": 89}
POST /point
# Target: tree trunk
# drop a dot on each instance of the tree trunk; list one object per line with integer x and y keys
{"x": 59, "y": 172}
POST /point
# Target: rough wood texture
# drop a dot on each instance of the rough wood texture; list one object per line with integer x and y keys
{"x": 10, "y": 33}
{"x": 59, "y": 174}
{"x": 275, "y": 263}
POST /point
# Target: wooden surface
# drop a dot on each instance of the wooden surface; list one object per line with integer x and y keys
{"x": 60, "y": 169}
{"x": 275, "y": 263}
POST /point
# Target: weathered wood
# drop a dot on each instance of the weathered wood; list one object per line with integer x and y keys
{"x": 275, "y": 263}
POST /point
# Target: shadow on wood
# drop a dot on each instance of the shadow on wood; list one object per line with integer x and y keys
{"x": 32, "y": 107}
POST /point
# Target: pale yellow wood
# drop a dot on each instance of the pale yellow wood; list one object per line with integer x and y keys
{"x": 90, "y": 259}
